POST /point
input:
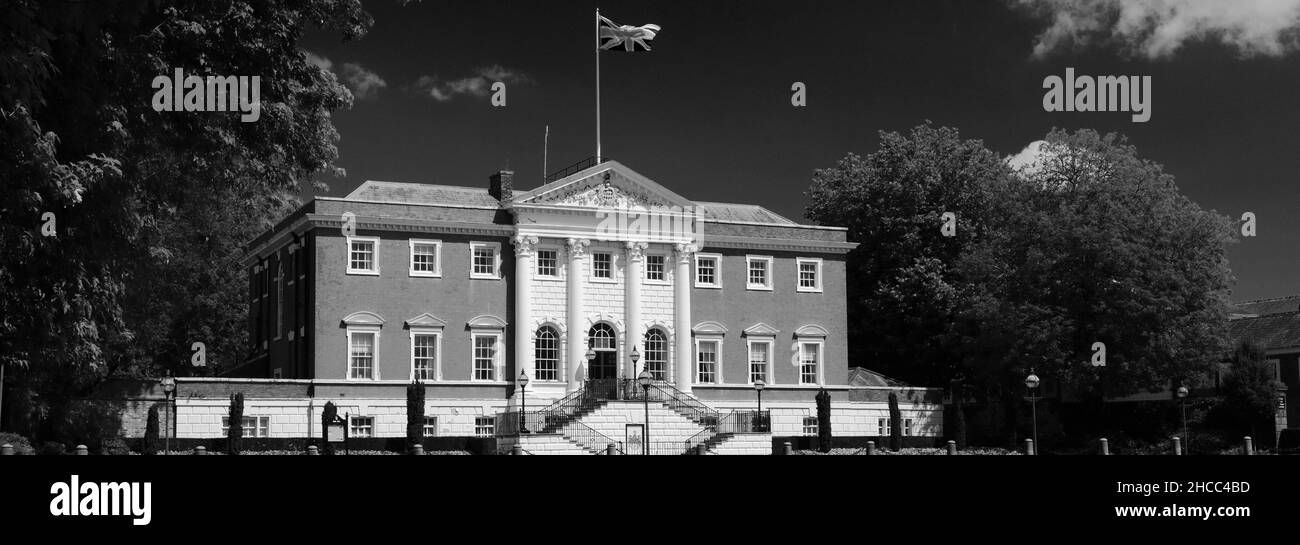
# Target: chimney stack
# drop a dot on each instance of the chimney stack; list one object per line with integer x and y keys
{"x": 501, "y": 185}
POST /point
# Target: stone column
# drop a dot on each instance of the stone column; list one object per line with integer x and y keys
{"x": 577, "y": 343}
{"x": 524, "y": 248}
{"x": 682, "y": 316}
{"x": 632, "y": 277}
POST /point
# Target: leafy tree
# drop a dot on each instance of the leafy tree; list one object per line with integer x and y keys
{"x": 895, "y": 423}
{"x": 150, "y": 209}
{"x": 414, "y": 414}
{"x": 235, "y": 432}
{"x": 824, "y": 438}
{"x": 1250, "y": 388}
{"x": 328, "y": 415}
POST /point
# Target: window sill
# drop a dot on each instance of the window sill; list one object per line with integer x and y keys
{"x": 808, "y": 290}
{"x": 416, "y": 274}
{"x": 483, "y": 277}
{"x": 603, "y": 280}
{"x": 758, "y": 288}
{"x": 709, "y": 286}
{"x": 363, "y": 272}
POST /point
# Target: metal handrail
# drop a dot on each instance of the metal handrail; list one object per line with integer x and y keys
{"x": 575, "y": 168}
{"x": 678, "y": 401}
{"x": 588, "y": 438}
{"x": 736, "y": 422}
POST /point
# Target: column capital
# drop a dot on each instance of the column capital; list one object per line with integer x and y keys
{"x": 635, "y": 250}
{"x": 684, "y": 252}
{"x": 525, "y": 245}
{"x": 577, "y": 247}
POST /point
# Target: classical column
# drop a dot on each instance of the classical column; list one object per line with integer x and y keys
{"x": 632, "y": 276}
{"x": 682, "y": 316}
{"x": 577, "y": 344}
{"x": 525, "y": 245}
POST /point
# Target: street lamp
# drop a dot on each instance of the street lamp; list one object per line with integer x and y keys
{"x": 169, "y": 388}
{"x": 1182, "y": 402}
{"x": 522, "y": 381}
{"x": 635, "y": 356}
{"x": 644, "y": 379}
{"x": 591, "y": 359}
{"x": 1031, "y": 382}
{"x": 758, "y": 387}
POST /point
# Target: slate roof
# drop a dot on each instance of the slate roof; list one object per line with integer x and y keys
{"x": 446, "y": 195}
{"x": 1265, "y": 307}
{"x": 1273, "y": 331}
{"x": 860, "y": 376}
{"x": 723, "y": 211}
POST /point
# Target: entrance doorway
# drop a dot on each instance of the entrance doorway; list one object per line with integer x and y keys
{"x": 602, "y": 372}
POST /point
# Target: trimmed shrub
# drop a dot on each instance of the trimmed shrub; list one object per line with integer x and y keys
{"x": 414, "y": 415}
{"x": 151, "y": 432}
{"x": 115, "y": 447}
{"x": 235, "y": 432}
{"x": 21, "y": 445}
{"x": 327, "y": 416}
{"x": 895, "y": 423}
{"x": 52, "y": 448}
{"x": 824, "y": 420}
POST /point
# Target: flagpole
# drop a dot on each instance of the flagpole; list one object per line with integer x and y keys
{"x": 598, "y": 85}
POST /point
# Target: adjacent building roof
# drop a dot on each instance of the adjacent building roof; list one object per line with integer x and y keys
{"x": 1265, "y": 307}
{"x": 751, "y": 213}
{"x": 1273, "y": 331}
{"x": 416, "y": 193}
{"x": 860, "y": 376}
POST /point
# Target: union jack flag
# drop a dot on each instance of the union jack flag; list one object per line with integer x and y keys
{"x": 631, "y": 38}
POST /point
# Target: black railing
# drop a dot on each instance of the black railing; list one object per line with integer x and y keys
{"x": 546, "y": 420}
{"x": 575, "y": 168}
{"x": 681, "y": 402}
{"x": 588, "y": 438}
{"x": 731, "y": 424}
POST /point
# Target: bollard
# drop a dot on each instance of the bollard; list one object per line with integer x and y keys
{"x": 1105, "y": 447}
{"x": 8, "y": 450}
{"x": 952, "y": 448}
{"x": 871, "y": 448}
{"x": 82, "y": 450}
{"x": 417, "y": 449}
{"x": 701, "y": 450}
{"x": 787, "y": 449}
{"x": 1178, "y": 446}
{"x": 517, "y": 450}
{"x": 200, "y": 450}
{"x": 609, "y": 449}
{"x": 313, "y": 451}
{"x": 1029, "y": 447}
{"x": 1250, "y": 446}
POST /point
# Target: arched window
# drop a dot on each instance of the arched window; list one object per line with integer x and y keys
{"x": 548, "y": 354}
{"x": 602, "y": 337}
{"x": 656, "y": 354}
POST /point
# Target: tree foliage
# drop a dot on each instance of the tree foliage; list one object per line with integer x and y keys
{"x": 151, "y": 431}
{"x": 824, "y": 437}
{"x": 235, "y": 431}
{"x": 895, "y": 423}
{"x": 151, "y": 208}
{"x": 1250, "y": 388}
{"x": 1090, "y": 244}
{"x": 415, "y": 414}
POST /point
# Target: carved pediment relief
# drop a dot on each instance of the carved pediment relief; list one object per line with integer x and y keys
{"x": 607, "y": 189}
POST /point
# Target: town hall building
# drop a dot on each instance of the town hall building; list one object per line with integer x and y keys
{"x": 582, "y": 286}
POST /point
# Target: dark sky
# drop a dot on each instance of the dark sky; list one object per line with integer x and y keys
{"x": 707, "y": 113}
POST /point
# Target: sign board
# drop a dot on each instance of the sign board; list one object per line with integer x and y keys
{"x": 634, "y": 436}
{"x": 334, "y": 433}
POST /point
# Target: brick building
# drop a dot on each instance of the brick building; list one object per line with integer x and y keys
{"x": 580, "y": 285}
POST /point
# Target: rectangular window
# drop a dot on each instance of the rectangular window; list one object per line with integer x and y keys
{"x": 485, "y": 357}
{"x": 424, "y": 356}
{"x": 707, "y": 360}
{"x": 430, "y": 426}
{"x": 883, "y": 427}
{"x": 810, "y": 274}
{"x": 254, "y": 426}
{"x": 484, "y": 256}
{"x": 485, "y": 426}
{"x": 655, "y": 268}
{"x": 426, "y": 258}
{"x": 706, "y": 271}
{"x": 810, "y": 425}
{"x": 363, "y": 255}
{"x": 279, "y": 302}
{"x": 361, "y": 426}
{"x": 548, "y": 263}
{"x": 907, "y": 426}
{"x": 810, "y": 356}
{"x": 361, "y": 355}
{"x": 759, "y": 275}
{"x": 759, "y": 356}
{"x": 602, "y": 265}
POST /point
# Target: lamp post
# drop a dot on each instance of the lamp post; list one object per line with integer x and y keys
{"x": 1031, "y": 382}
{"x": 522, "y": 381}
{"x": 169, "y": 388}
{"x": 758, "y": 387}
{"x": 644, "y": 379}
{"x": 1182, "y": 402}
{"x": 635, "y": 357}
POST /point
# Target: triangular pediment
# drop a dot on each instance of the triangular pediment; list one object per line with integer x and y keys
{"x": 425, "y": 320}
{"x": 607, "y": 185}
{"x": 761, "y": 330}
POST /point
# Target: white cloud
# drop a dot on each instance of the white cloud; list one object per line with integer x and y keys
{"x": 1156, "y": 29}
{"x": 477, "y": 85}
{"x": 363, "y": 83}
{"x": 1029, "y": 160}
